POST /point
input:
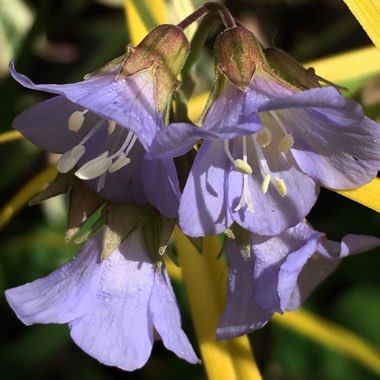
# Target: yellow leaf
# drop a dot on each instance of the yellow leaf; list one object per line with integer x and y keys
{"x": 137, "y": 28}
{"x": 347, "y": 66}
{"x": 332, "y": 335}
{"x": 367, "y": 12}
{"x": 10, "y": 136}
{"x": 20, "y": 199}
{"x": 367, "y": 195}
{"x": 204, "y": 277}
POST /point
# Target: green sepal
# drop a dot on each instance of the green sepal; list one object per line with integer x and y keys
{"x": 289, "y": 70}
{"x": 165, "y": 50}
{"x": 241, "y": 237}
{"x": 110, "y": 65}
{"x": 83, "y": 201}
{"x": 119, "y": 221}
{"x": 237, "y": 54}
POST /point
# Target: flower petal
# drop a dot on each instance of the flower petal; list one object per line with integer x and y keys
{"x": 273, "y": 212}
{"x": 46, "y": 124}
{"x": 337, "y": 157}
{"x": 233, "y": 114}
{"x": 327, "y": 101}
{"x": 167, "y": 319}
{"x": 242, "y": 314}
{"x": 161, "y": 185}
{"x": 203, "y": 207}
{"x": 270, "y": 254}
{"x": 63, "y": 295}
{"x": 117, "y": 329}
{"x": 129, "y": 101}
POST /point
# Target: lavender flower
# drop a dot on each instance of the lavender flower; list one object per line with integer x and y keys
{"x": 104, "y": 125}
{"x": 264, "y": 154}
{"x": 280, "y": 274}
{"x": 112, "y": 306}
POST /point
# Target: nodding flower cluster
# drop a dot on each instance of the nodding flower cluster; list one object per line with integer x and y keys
{"x": 272, "y": 133}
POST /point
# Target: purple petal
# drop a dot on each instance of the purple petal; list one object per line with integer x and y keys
{"x": 203, "y": 207}
{"x": 63, "y": 295}
{"x": 128, "y": 101}
{"x": 325, "y": 100}
{"x": 167, "y": 320}
{"x": 317, "y": 268}
{"x": 313, "y": 271}
{"x": 292, "y": 267}
{"x": 233, "y": 114}
{"x": 270, "y": 253}
{"x": 161, "y": 185}
{"x": 354, "y": 244}
{"x": 272, "y": 213}
{"x": 117, "y": 329}
{"x": 242, "y": 314}
{"x": 175, "y": 140}
{"x": 337, "y": 157}
{"x": 46, "y": 124}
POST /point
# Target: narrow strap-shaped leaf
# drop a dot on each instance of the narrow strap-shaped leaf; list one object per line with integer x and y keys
{"x": 367, "y": 12}
{"x": 10, "y": 136}
{"x": 332, "y": 335}
{"x": 205, "y": 280}
{"x": 142, "y": 16}
{"x": 21, "y": 198}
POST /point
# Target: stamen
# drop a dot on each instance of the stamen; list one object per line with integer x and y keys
{"x": 264, "y": 137}
{"x": 245, "y": 197}
{"x": 119, "y": 163}
{"x": 280, "y": 186}
{"x": 285, "y": 143}
{"x": 101, "y": 182}
{"x": 111, "y": 126}
{"x": 228, "y": 152}
{"x": 70, "y": 158}
{"x": 76, "y": 120}
{"x": 279, "y": 122}
{"x": 265, "y": 184}
{"x": 242, "y": 166}
{"x": 95, "y": 167}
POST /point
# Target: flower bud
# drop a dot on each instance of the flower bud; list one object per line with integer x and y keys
{"x": 164, "y": 49}
{"x": 237, "y": 54}
{"x": 290, "y": 70}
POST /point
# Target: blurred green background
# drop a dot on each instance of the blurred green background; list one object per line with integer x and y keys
{"x": 60, "y": 41}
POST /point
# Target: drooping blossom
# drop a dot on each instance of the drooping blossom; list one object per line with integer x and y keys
{"x": 113, "y": 306}
{"x": 266, "y": 151}
{"x": 280, "y": 274}
{"x": 103, "y": 127}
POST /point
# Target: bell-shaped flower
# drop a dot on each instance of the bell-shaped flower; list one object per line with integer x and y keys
{"x": 114, "y": 306}
{"x": 265, "y": 153}
{"x": 103, "y": 126}
{"x": 280, "y": 274}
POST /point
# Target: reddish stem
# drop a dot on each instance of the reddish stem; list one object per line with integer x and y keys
{"x": 224, "y": 13}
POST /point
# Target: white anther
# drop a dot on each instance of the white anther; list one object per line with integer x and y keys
{"x": 120, "y": 162}
{"x": 95, "y": 167}
{"x": 243, "y": 166}
{"x": 264, "y": 137}
{"x": 101, "y": 182}
{"x": 76, "y": 120}
{"x": 111, "y": 126}
{"x": 280, "y": 186}
{"x": 265, "y": 184}
{"x": 70, "y": 158}
{"x": 285, "y": 143}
